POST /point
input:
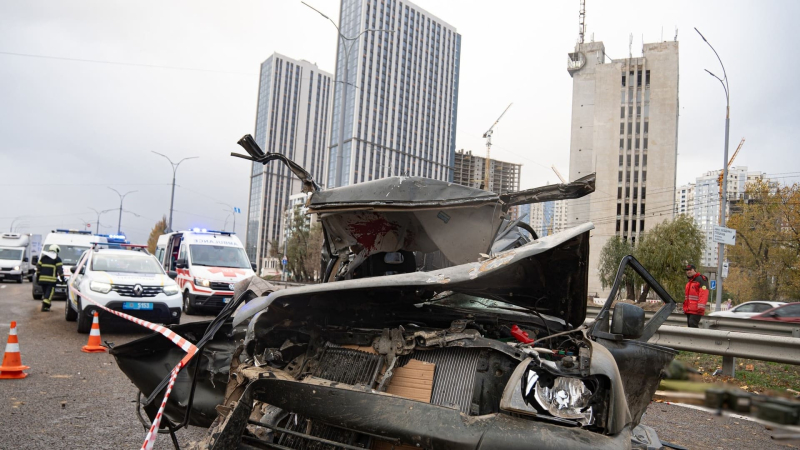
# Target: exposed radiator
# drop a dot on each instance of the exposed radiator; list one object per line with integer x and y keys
{"x": 454, "y": 379}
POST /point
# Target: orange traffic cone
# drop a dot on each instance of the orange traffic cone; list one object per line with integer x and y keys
{"x": 12, "y": 362}
{"x": 93, "y": 346}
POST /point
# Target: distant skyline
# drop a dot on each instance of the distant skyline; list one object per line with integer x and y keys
{"x": 120, "y": 79}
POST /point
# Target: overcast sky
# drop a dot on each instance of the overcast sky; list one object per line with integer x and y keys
{"x": 181, "y": 78}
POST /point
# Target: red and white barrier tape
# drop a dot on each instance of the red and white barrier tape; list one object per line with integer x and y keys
{"x": 185, "y": 345}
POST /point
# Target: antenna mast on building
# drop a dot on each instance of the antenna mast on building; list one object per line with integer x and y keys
{"x": 582, "y": 22}
{"x": 488, "y": 137}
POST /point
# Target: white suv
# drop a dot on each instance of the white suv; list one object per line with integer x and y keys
{"x": 129, "y": 281}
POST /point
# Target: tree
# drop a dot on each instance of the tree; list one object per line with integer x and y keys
{"x": 765, "y": 259}
{"x": 612, "y": 253}
{"x": 314, "y": 252}
{"x": 304, "y": 248}
{"x": 158, "y": 229}
{"x": 665, "y": 250}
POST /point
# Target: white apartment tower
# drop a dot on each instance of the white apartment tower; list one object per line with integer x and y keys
{"x": 292, "y": 118}
{"x": 624, "y": 128}
{"x": 684, "y": 199}
{"x": 399, "y": 111}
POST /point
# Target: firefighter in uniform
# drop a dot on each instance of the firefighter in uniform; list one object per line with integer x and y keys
{"x": 694, "y": 305}
{"x": 50, "y": 271}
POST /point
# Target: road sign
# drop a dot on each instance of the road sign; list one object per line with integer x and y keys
{"x": 284, "y": 261}
{"x": 725, "y": 269}
{"x": 237, "y": 210}
{"x": 724, "y": 235}
{"x": 713, "y": 284}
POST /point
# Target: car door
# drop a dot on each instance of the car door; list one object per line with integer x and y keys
{"x": 77, "y": 277}
{"x": 743, "y": 311}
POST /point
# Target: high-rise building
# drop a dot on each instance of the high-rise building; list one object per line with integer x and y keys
{"x": 707, "y": 200}
{"x": 470, "y": 170}
{"x": 399, "y": 113}
{"x": 624, "y": 128}
{"x": 548, "y": 218}
{"x": 294, "y": 103}
{"x": 684, "y": 199}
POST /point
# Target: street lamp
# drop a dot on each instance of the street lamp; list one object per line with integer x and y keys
{"x": 724, "y": 200}
{"x": 121, "y": 198}
{"x": 233, "y": 210}
{"x": 174, "y": 170}
{"x": 98, "y": 217}
{"x": 11, "y": 228}
{"x": 347, "y": 44}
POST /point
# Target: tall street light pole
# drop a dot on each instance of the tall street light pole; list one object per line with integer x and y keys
{"x": 174, "y": 170}
{"x": 347, "y": 44}
{"x": 723, "y": 206}
{"x": 121, "y": 198}
{"x": 233, "y": 213}
{"x": 98, "y": 217}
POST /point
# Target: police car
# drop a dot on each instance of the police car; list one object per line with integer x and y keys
{"x": 208, "y": 264}
{"x": 129, "y": 280}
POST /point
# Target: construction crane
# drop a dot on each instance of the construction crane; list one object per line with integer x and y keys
{"x": 558, "y": 174}
{"x": 719, "y": 179}
{"x": 488, "y": 137}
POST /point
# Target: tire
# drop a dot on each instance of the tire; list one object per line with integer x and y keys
{"x": 188, "y": 308}
{"x": 70, "y": 314}
{"x": 19, "y": 280}
{"x": 84, "y": 324}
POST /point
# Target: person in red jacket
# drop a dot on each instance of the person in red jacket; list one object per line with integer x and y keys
{"x": 694, "y": 305}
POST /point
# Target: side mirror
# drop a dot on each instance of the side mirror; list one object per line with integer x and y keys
{"x": 83, "y": 271}
{"x": 172, "y": 274}
{"x": 253, "y": 266}
{"x": 35, "y": 259}
{"x": 24, "y": 259}
{"x": 180, "y": 264}
{"x": 628, "y": 320}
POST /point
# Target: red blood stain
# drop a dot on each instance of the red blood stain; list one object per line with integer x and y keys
{"x": 366, "y": 233}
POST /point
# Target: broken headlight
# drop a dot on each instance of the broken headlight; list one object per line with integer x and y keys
{"x": 563, "y": 397}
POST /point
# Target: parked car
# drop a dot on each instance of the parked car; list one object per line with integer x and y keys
{"x": 747, "y": 309}
{"x": 789, "y": 312}
{"x": 131, "y": 281}
{"x": 439, "y": 325}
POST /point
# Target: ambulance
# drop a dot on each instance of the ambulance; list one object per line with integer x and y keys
{"x": 72, "y": 243}
{"x": 208, "y": 264}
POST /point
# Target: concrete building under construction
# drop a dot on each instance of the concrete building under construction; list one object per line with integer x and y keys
{"x": 469, "y": 170}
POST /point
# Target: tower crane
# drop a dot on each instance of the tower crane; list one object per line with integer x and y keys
{"x": 488, "y": 137}
{"x": 558, "y": 174}
{"x": 719, "y": 179}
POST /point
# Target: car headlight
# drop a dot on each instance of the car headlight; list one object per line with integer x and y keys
{"x": 201, "y": 282}
{"x": 16, "y": 267}
{"x": 99, "y": 286}
{"x": 171, "y": 290}
{"x": 564, "y": 397}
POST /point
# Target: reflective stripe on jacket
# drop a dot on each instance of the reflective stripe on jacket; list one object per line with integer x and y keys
{"x": 49, "y": 269}
{"x": 696, "y": 293}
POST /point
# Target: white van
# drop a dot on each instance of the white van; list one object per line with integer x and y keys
{"x": 15, "y": 256}
{"x": 208, "y": 264}
{"x": 72, "y": 243}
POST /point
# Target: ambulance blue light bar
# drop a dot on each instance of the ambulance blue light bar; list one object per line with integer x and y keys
{"x": 60, "y": 230}
{"x": 203, "y": 230}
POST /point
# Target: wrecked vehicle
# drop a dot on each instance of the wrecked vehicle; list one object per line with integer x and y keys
{"x": 441, "y": 324}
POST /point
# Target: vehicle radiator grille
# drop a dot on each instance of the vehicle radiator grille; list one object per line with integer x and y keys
{"x": 454, "y": 378}
{"x": 127, "y": 290}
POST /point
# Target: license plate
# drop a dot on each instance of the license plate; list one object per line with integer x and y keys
{"x": 226, "y": 299}
{"x": 61, "y": 290}
{"x": 137, "y": 305}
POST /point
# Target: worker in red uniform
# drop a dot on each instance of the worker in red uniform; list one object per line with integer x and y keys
{"x": 694, "y": 305}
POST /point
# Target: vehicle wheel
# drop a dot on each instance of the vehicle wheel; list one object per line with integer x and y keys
{"x": 36, "y": 296}
{"x": 187, "y": 305}
{"x": 70, "y": 314}
{"x": 19, "y": 280}
{"x": 84, "y": 324}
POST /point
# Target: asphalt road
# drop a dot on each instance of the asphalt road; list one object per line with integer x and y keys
{"x": 72, "y": 399}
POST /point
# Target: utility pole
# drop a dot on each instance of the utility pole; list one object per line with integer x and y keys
{"x": 121, "y": 198}
{"x": 233, "y": 210}
{"x": 347, "y": 44}
{"x": 174, "y": 170}
{"x": 723, "y": 204}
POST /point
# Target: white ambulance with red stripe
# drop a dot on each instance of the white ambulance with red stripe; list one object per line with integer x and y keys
{"x": 208, "y": 264}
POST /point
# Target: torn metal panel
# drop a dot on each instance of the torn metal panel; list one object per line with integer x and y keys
{"x": 575, "y": 189}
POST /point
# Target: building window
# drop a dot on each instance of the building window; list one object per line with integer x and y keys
{"x": 619, "y": 209}
{"x": 622, "y": 112}
{"x": 621, "y": 146}
{"x": 622, "y": 128}
{"x": 623, "y": 80}
{"x": 620, "y": 176}
{"x": 642, "y": 212}
{"x": 643, "y": 192}
{"x": 641, "y": 225}
{"x": 647, "y": 77}
{"x": 638, "y": 125}
{"x": 646, "y": 127}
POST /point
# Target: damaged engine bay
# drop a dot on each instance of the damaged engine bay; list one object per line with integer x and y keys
{"x": 484, "y": 345}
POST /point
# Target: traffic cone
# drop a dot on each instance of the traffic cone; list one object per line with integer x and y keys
{"x": 12, "y": 362}
{"x": 93, "y": 346}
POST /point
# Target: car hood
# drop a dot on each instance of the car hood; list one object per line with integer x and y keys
{"x": 153, "y": 279}
{"x": 549, "y": 275}
{"x": 221, "y": 273}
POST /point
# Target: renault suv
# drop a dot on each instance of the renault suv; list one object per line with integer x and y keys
{"x": 128, "y": 280}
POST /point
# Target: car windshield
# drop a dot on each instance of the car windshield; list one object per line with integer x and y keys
{"x": 70, "y": 254}
{"x": 134, "y": 263}
{"x": 12, "y": 254}
{"x": 219, "y": 256}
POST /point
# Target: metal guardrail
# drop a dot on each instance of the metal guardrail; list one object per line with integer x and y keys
{"x": 723, "y": 324}
{"x": 779, "y": 349}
